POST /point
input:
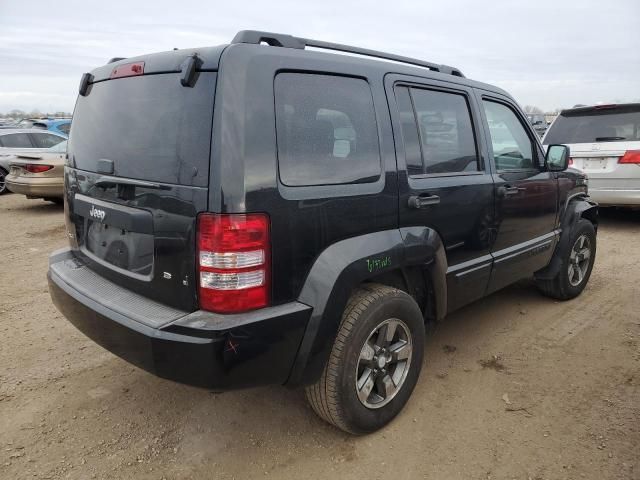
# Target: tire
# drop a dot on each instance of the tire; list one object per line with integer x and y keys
{"x": 3, "y": 183}
{"x": 573, "y": 277}
{"x": 371, "y": 310}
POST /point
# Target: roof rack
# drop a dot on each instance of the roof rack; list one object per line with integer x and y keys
{"x": 289, "y": 41}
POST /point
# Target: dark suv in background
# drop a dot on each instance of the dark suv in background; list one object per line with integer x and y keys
{"x": 258, "y": 213}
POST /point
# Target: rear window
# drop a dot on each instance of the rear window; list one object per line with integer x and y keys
{"x": 326, "y": 130}
{"x": 150, "y": 126}
{"x": 46, "y": 140}
{"x": 604, "y": 124}
{"x": 16, "y": 140}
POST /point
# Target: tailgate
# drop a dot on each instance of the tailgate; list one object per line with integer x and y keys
{"x": 137, "y": 176}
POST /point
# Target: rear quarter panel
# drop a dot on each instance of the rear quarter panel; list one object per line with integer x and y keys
{"x": 244, "y": 174}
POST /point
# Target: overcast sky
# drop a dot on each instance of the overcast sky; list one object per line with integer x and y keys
{"x": 549, "y": 53}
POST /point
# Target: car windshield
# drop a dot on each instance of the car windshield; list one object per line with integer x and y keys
{"x": 598, "y": 124}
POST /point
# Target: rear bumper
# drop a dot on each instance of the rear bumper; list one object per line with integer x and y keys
{"x": 40, "y": 189}
{"x": 615, "y": 197}
{"x": 220, "y": 352}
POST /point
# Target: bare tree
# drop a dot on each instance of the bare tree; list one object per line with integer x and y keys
{"x": 532, "y": 109}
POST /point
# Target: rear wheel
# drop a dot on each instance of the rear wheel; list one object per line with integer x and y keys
{"x": 3, "y": 183}
{"x": 576, "y": 264}
{"x": 374, "y": 363}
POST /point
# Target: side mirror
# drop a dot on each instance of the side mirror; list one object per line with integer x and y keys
{"x": 557, "y": 158}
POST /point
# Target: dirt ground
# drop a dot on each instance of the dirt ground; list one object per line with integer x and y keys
{"x": 515, "y": 386}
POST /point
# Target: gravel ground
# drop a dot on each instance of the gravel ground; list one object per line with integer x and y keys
{"x": 515, "y": 386}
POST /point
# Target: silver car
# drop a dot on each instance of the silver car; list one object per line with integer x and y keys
{"x": 23, "y": 142}
{"x": 605, "y": 144}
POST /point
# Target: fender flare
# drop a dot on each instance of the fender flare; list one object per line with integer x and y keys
{"x": 578, "y": 206}
{"x": 344, "y": 265}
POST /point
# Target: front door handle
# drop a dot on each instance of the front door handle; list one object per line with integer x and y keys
{"x": 422, "y": 201}
{"x": 507, "y": 191}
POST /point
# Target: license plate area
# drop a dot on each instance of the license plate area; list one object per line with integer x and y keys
{"x": 120, "y": 248}
{"x": 596, "y": 164}
{"x": 117, "y": 236}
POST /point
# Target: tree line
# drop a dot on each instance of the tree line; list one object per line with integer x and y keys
{"x": 16, "y": 113}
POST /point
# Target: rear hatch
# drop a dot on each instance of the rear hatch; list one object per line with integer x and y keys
{"x": 137, "y": 175}
{"x": 599, "y": 138}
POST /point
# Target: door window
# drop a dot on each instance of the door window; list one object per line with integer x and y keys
{"x": 411, "y": 140}
{"x": 512, "y": 146}
{"x": 439, "y": 124}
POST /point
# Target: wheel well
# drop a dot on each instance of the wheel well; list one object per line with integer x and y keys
{"x": 414, "y": 281}
{"x": 591, "y": 214}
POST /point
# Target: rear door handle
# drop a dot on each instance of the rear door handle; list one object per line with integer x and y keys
{"x": 422, "y": 201}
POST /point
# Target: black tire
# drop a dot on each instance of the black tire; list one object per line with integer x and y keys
{"x": 334, "y": 397}
{"x": 3, "y": 183}
{"x": 562, "y": 287}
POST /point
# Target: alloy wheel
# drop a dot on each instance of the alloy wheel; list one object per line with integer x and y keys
{"x": 383, "y": 363}
{"x": 579, "y": 260}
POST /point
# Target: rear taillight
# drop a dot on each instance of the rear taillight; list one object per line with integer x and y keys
{"x": 233, "y": 262}
{"x": 37, "y": 168}
{"x": 128, "y": 70}
{"x": 630, "y": 156}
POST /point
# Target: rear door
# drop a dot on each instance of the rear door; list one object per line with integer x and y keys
{"x": 137, "y": 176}
{"x": 444, "y": 183}
{"x": 526, "y": 194}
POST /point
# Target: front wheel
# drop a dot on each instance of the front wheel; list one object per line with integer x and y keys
{"x": 576, "y": 264}
{"x": 374, "y": 363}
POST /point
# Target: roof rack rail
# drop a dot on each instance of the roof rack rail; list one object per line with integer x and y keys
{"x": 289, "y": 41}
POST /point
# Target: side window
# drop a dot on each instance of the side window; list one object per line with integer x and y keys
{"x": 46, "y": 140}
{"x": 326, "y": 130}
{"x": 65, "y": 128}
{"x": 446, "y": 132}
{"x": 16, "y": 140}
{"x": 411, "y": 140}
{"x": 512, "y": 146}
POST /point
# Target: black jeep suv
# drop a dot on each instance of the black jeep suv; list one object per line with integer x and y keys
{"x": 260, "y": 213}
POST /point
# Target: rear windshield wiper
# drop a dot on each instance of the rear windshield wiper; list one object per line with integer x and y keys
{"x": 609, "y": 139}
{"x": 114, "y": 181}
